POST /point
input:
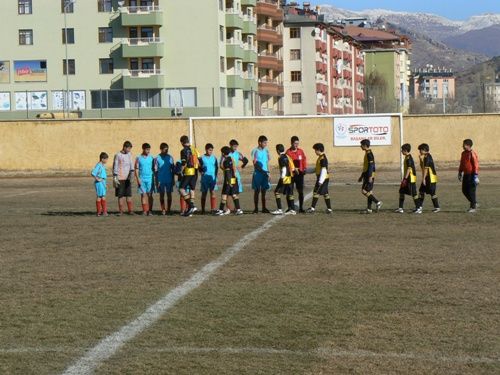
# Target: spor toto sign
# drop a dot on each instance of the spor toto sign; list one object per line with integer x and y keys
{"x": 349, "y": 131}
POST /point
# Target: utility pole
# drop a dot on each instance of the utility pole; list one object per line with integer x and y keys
{"x": 67, "y": 3}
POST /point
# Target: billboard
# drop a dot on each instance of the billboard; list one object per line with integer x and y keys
{"x": 30, "y": 71}
{"x": 349, "y": 131}
{"x": 77, "y": 99}
{"x": 36, "y": 100}
{"x": 4, "y": 71}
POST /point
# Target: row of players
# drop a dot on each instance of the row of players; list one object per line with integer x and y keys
{"x": 157, "y": 174}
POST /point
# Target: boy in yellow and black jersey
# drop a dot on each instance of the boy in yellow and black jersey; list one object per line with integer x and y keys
{"x": 368, "y": 178}
{"x": 285, "y": 183}
{"x": 322, "y": 179}
{"x": 409, "y": 182}
{"x": 191, "y": 162}
{"x": 230, "y": 185}
{"x": 429, "y": 179}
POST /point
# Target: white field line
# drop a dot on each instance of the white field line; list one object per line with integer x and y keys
{"x": 320, "y": 352}
{"x": 111, "y": 344}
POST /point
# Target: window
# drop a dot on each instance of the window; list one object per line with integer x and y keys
{"x": 69, "y": 5}
{"x": 222, "y": 64}
{"x": 25, "y": 37}
{"x": 296, "y": 98}
{"x": 250, "y": 70}
{"x": 222, "y": 97}
{"x": 71, "y": 66}
{"x": 296, "y": 76}
{"x": 143, "y": 98}
{"x": 24, "y": 7}
{"x": 294, "y": 32}
{"x": 106, "y": 66}
{"x": 71, "y": 36}
{"x": 221, "y": 5}
{"x": 147, "y": 63}
{"x": 231, "y": 93}
{"x": 221, "y": 33}
{"x": 105, "y": 35}
{"x": 295, "y": 54}
{"x": 181, "y": 97}
{"x": 104, "y": 6}
{"x": 107, "y": 99}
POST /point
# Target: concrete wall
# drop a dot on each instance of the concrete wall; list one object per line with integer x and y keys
{"x": 53, "y": 146}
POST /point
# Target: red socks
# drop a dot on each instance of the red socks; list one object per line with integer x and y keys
{"x": 213, "y": 203}
{"x": 183, "y": 205}
{"x": 145, "y": 208}
{"x": 104, "y": 206}
{"x": 98, "y": 207}
{"x": 129, "y": 206}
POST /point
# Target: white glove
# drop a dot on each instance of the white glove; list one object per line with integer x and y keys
{"x": 116, "y": 182}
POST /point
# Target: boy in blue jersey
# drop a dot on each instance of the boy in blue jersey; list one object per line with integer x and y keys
{"x": 144, "y": 172}
{"x": 230, "y": 184}
{"x": 260, "y": 179}
{"x": 209, "y": 172}
{"x": 164, "y": 177}
{"x": 100, "y": 175}
{"x": 238, "y": 158}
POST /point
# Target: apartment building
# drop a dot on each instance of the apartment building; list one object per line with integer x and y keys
{"x": 433, "y": 83}
{"x": 128, "y": 58}
{"x": 270, "y": 57}
{"x": 387, "y": 55}
{"x": 324, "y": 72}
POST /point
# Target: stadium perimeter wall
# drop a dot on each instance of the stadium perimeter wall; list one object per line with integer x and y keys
{"x": 74, "y": 145}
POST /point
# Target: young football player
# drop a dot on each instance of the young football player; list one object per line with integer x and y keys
{"x": 368, "y": 177}
{"x": 300, "y": 162}
{"x": 209, "y": 178}
{"x": 191, "y": 162}
{"x": 100, "y": 176}
{"x": 164, "y": 171}
{"x": 144, "y": 175}
{"x": 429, "y": 179}
{"x": 123, "y": 173}
{"x": 230, "y": 185}
{"x": 260, "y": 179}
{"x": 409, "y": 183}
{"x": 468, "y": 174}
{"x": 322, "y": 180}
{"x": 285, "y": 184}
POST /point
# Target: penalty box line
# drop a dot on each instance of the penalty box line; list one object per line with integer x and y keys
{"x": 111, "y": 344}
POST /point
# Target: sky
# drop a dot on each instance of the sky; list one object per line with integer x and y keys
{"x": 453, "y": 9}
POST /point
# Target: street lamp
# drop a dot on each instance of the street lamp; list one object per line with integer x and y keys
{"x": 67, "y": 4}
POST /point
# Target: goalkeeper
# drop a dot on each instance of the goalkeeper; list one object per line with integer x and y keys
{"x": 409, "y": 182}
{"x": 468, "y": 174}
{"x": 123, "y": 173}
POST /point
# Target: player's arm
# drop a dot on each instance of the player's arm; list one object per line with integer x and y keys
{"x": 303, "y": 167}
{"x": 216, "y": 165}
{"x": 136, "y": 172}
{"x": 116, "y": 163}
{"x": 323, "y": 173}
{"x": 96, "y": 172}
{"x": 244, "y": 161}
{"x": 371, "y": 164}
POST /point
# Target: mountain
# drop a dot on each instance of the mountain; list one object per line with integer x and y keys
{"x": 485, "y": 41}
{"x": 436, "y": 40}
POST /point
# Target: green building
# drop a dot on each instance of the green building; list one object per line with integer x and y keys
{"x": 128, "y": 58}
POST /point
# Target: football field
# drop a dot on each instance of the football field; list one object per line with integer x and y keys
{"x": 344, "y": 293}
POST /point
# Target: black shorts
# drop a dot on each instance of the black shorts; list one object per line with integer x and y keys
{"x": 228, "y": 189}
{"x": 428, "y": 188}
{"x": 124, "y": 190}
{"x": 298, "y": 180}
{"x": 284, "y": 189}
{"x": 188, "y": 181}
{"x": 367, "y": 184}
{"x": 321, "y": 189}
{"x": 409, "y": 189}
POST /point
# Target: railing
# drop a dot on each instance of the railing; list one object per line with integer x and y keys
{"x": 142, "y": 72}
{"x": 268, "y": 1}
{"x": 141, "y": 9}
{"x": 234, "y": 11}
{"x": 140, "y": 41}
{"x": 249, "y": 18}
{"x": 235, "y": 42}
{"x": 266, "y": 53}
{"x": 249, "y": 47}
{"x": 269, "y": 80}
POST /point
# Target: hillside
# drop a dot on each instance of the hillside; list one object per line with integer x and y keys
{"x": 484, "y": 41}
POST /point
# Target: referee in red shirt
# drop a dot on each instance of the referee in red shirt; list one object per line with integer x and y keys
{"x": 300, "y": 162}
{"x": 468, "y": 173}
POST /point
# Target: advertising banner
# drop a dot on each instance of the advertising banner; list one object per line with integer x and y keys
{"x": 349, "y": 131}
{"x": 30, "y": 71}
{"x": 4, "y": 101}
{"x": 4, "y": 71}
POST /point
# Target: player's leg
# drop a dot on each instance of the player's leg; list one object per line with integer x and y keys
{"x": 144, "y": 203}
{"x": 299, "y": 184}
{"x": 326, "y": 196}
{"x": 213, "y": 200}
{"x": 414, "y": 194}
{"x": 162, "y": 200}
{"x": 277, "y": 195}
{"x": 256, "y": 201}
{"x": 290, "y": 199}
{"x": 151, "y": 201}
{"x": 98, "y": 206}
{"x": 435, "y": 201}
{"x": 128, "y": 196}
{"x": 169, "y": 201}
{"x": 472, "y": 194}
{"x": 236, "y": 200}
{"x": 203, "y": 201}
{"x": 315, "y": 196}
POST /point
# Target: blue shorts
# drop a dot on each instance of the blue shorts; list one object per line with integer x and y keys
{"x": 260, "y": 181}
{"x": 166, "y": 186}
{"x": 178, "y": 186}
{"x": 208, "y": 183}
{"x": 146, "y": 187}
{"x": 100, "y": 189}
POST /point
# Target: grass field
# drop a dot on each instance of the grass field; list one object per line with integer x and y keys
{"x": 314, "y": 294}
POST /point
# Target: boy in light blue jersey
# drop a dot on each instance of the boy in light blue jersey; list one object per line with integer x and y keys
{"x": 100, "y": 176}
{"x": 164, "y": 173}
{"x": 209, "y": 172}
{"x": 144, "y": 174}
{"x": 260, "y": 180}
{"x": 237, "y": 157}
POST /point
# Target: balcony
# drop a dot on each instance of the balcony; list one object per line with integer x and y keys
{"x": 322, "y": 87}
{"x": 249, "y": 24}
{"x": 270, "y": 87}
{"x": 359, "y": 61}
{"x": 270, "y": 61}
{"x": 241, "y": 81}
{"x": 251, "y": 3}
{"x": 250, "y": 54}
{"x": 142, "y": 47}
{"x": 320, "y": 45}
{"x": 321, "y": 109}
{"x": 141, "y": 15}
{"x": 234, "y": 50}
{"x": 269, "y": 8}
{"x": 321, "y": 67}
{"x": 143, "y": 79}
{"x": 269, "y": 34}
{"x": 234, "y": 19}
